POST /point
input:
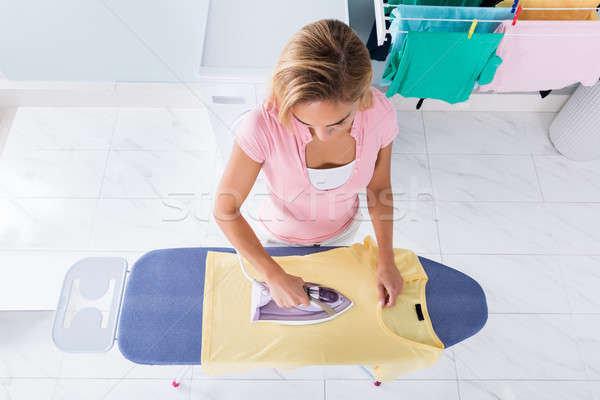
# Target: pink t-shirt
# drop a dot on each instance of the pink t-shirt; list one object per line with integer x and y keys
{"x": 295, "y": 211}
{"x": 543, "y": 55}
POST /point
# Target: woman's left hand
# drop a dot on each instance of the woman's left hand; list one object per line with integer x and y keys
{"x": 388, "y": 280}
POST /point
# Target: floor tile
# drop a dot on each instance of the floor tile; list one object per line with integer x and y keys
{"x": 159, "y": 174}
{"x": 113, "y": 365}
{"x": 411, "y": 136}
{"x": 115, "y": 389}
{"x": 582, "y": 280}
{"x": 52, "y": 173}
{"x": 484, "y": 178}
{"x": 524, "y": 346}
{"x": 474, "y": 133}
{"x": 516, "y": 283}
{"x": 185, "y": 129}
{"x": 414, "y": 226}
{"x": 444, "y": 369}
{"x": 146, "y": 224}
{"x": 410, "y": 177}
{"x": 595, "y": 390}
{"x": 76, "y": 389}
{"x": 257, "y": 374}
{"x": 27, "y": 388}
{"x": 586, "y": 334}
{"x": 415, "y": 390}
{"x": 530, "y": 390}
{"x": 562, "y": 179}
{"x": 54, "y": 128}
{"x": 32, "y": 279}
{"x": 519, "y": 228}
{"x": 254, "y": 389}
{"x": 316, "y": 372}
{"x": 27, "y": 349}
{"x": 434, "y": 257}
{"x": 46, "y": 223}
{"x": 536, "y": 126}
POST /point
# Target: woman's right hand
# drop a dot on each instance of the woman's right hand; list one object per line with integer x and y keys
{"x": 287, "y": 290}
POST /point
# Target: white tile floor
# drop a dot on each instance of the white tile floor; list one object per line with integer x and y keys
{"x": 485, "y": 193}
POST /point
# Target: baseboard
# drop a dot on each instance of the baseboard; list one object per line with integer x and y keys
{"x": 489, "y": 102}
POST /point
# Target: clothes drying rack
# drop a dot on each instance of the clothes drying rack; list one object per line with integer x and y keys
{"x": 381, "y": 30}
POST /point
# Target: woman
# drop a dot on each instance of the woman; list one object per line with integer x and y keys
{"x": 322, "y": 135}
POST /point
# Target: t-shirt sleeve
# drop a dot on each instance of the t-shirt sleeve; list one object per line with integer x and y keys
{"x": 251, "y": 136}
{"x": 388, "y": 123}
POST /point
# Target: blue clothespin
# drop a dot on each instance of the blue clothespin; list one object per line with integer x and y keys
{"x": 514, "y": 6}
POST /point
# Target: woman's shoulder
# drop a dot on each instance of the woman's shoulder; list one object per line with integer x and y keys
{"x": 381, "y": 104}
{"x": 263, "y": 116}
{"x": 259, "y": 115}
{"x": 381, "y": 119}
{"x": 259, "y": 132}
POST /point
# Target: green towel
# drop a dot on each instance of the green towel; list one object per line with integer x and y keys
{"x": 443, "y": 65}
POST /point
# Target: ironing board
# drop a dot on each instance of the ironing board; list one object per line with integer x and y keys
{"x": 163, "y": 299}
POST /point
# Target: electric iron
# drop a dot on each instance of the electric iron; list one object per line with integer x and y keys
{"x": 325, "y": 304}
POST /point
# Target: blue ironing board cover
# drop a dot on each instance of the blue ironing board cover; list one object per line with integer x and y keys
{"x": 161, "y": 316}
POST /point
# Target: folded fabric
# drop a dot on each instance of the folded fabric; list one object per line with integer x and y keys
{"x": 555, "y": 14}
{"x": 391, "y": 340}
{"x": 548, "y": 55}
{"x": 443, "y": 65}
{"x": 469, "y": 13}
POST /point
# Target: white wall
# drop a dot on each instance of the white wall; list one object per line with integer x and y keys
{"x": 102, "y": 40}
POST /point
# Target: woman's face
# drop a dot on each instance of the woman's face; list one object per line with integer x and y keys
{"x": 326, "y": 119}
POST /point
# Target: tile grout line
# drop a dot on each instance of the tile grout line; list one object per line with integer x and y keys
{"x": 430, "y": 175}
{"x": 537, "y": 176}
{"x": 99, "y": 195}
{"x": 437, "y": 228}
{"x": 572, "y": 314}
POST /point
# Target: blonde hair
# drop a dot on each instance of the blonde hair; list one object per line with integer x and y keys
{"x": 323, "y": 61}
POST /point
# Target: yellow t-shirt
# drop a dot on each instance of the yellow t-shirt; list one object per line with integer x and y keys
{"x": 555, "y": 14}
{"x": 391, "y": 340}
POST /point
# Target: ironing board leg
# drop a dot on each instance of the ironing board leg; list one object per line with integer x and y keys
{"x": 177, "y": 381}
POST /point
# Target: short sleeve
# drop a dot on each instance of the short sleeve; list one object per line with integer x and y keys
{"x": 489, "y": 70}
{"x": 388, "y": 125}
{"x": 252, "y": 137}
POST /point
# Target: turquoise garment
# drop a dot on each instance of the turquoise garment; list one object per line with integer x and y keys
{"x": 408, "y": 11}
{"x": 444, "y": 65}
{"x": 453, "y": 3}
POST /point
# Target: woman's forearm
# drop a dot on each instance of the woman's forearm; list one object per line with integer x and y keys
{"x": 242, "y": 237}
{"x": 381, "y": 210}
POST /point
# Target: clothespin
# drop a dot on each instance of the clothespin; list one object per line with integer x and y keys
{"x": 514, "y": 7}
{"x": 472, "y": 28}
{"x": 517, "y": 15}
